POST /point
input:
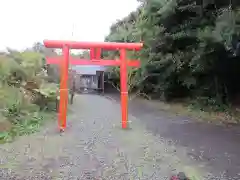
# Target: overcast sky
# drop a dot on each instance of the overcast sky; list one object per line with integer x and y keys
{"x": 24, "y": 22}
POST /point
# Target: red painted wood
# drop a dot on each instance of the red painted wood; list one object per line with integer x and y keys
{"x": 64, "y": 89}
{"x": 102, "y": 62}
{"x": 95, "y": 53}
{"x": 89, "y": 45}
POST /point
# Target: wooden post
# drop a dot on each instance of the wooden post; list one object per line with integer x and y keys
{"x": 63, "y": 89}
{"x": 124, "y": 88}
{"x": 103, "y": 82}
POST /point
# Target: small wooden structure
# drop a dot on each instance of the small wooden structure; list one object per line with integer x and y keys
{"x": 89, "y": 80}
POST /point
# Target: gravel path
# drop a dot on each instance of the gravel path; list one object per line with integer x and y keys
{"x": 95, "y": 147}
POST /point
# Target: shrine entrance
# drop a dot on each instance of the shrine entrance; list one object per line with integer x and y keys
{"x": 95, "y": 59}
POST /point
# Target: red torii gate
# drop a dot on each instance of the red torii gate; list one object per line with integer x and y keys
{"x": 95, "y": 59}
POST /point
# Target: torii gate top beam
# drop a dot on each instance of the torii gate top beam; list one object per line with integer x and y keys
{"x": 89, "y": 45}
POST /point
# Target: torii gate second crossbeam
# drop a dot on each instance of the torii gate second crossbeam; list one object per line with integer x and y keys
{"x": 95, "y": 59}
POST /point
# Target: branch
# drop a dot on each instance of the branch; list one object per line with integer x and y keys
{"x": 114, "y": 85}
{"x": 138, "y": 93}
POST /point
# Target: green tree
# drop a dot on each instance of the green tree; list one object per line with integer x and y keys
{"x": 189, "y": 49}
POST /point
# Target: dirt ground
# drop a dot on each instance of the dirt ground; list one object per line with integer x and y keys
{"x": 95, "y": 147}
{"x": 215, "y": 145}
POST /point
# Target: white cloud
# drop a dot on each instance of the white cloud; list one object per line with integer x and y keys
{"x": 24, "y": 22}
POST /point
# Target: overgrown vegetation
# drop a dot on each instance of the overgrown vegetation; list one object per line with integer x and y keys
{"x": 191, "y": 50}
{"x": 28, "y": 94}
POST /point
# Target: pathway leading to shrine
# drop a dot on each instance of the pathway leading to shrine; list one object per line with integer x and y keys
{"x": 95, "y": 147}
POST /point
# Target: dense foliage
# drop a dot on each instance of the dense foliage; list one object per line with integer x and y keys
{"x": 26, "y": 93}
{"x": 190, "y": 49}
